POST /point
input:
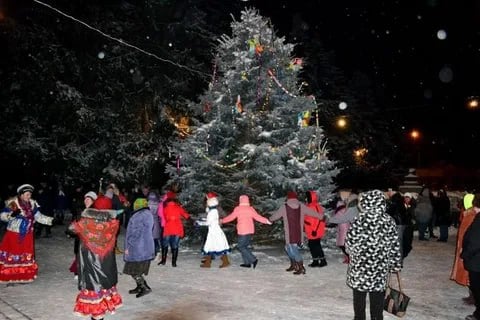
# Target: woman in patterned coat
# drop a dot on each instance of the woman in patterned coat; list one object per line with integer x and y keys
{"x": 374, "y": 249}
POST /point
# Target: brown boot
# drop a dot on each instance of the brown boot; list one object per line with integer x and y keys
{"x": 292, "y": 266}
{"x": 299, "y": 268}
{"x": 225, "y": 262}
{"x": 207, "y": 262}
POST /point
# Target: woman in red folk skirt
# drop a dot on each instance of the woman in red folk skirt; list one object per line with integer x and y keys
{"x": 97, "y": 274}
{"x": 17, "y": 256}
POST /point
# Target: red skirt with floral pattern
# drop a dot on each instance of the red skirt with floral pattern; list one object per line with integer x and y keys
{"x": 17, "y": 261}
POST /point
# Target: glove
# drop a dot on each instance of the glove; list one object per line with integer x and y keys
{"x": 15, "y": 213}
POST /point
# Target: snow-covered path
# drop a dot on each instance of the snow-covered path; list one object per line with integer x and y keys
{"x": 189, "y": 292}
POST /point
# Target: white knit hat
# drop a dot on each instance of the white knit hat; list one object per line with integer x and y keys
{"x": 91, "y": 195}
{"x": 25, "y": 188}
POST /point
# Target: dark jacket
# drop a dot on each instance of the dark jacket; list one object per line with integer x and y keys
{"x": 441, "y": 208}
{"x": 471, "y": 246}
{"x": 97, "y": 230}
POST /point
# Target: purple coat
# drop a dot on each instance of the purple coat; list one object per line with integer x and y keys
{"x": 139, "y": 244}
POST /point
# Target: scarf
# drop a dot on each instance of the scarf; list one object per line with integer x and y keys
{"x": 98, "y": 234}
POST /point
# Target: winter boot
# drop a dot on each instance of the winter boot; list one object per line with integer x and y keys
{"x": 314, "y": 263}
{"x": 299, "y": 268}
{"x": 145, "y": 289}
{"x": 164, "y": 256}
{"x": 225, "y": 262}
{"x": 206, "y": 262}
{"x": 323, "y": 262}
{"x": 135, "y": 291}
{"x": 174, "y": 257}
{"x": 139, "y": 280}
{"x": 292, "y": 266}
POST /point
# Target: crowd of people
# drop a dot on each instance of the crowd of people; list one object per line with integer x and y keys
{"x": 374, "y": 232}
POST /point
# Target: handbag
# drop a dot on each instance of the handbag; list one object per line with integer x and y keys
{"x": 396, "y": 301}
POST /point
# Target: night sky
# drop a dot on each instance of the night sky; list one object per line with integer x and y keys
{"x": 423, "y": 58}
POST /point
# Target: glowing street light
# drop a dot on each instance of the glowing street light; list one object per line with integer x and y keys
{"x": 473, "y": 103}
{"x": 341, "y": 123}
{"x": 415, "y": 134}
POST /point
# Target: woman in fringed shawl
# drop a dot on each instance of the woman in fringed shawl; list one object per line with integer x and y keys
{"x": 97, "y": 279}
{"x": 17, "y": 255}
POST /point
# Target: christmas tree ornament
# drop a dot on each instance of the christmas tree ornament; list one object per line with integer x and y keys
{"x": 295, "y": 64}
{"x": 244, "y": 76}
{"x": 207, "y": 107}
{"x": 178, "y": 164}
{"x": 239, "y": 105}
{"x": 252, "y": 44}
{"x": 258, "y": 49}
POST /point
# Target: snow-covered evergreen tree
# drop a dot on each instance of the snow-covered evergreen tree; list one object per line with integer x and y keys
{"x": 248, "y": 135}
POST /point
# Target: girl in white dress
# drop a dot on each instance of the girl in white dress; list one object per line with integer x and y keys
{"x": 216, "y": 243}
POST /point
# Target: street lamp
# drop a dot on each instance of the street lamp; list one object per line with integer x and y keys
{"x": 473, "y": 103}
{"x": 415, "y": 135}
{"x": 341, "y": 123}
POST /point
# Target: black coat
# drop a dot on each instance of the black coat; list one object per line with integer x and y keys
{"x": 471, "y": 246}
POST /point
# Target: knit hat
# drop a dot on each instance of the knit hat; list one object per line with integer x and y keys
{"x": 152, "y": 197}
{"x": 140, "y": 203}
{"x": 91, "y": 195}
{"x": 244, "y": 200}
{"x": 212, "y": 199}
{"x": 25, "y": 188}
{"x": 291, "y": 195}
{"x": 468, "y": 200}
{"x": 103, "y": 203}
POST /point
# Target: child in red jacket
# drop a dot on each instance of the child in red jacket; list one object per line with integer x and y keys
{"x": 315, "y": 230}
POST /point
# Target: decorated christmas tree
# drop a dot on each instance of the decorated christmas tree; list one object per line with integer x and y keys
{"x": 251, "y": 131}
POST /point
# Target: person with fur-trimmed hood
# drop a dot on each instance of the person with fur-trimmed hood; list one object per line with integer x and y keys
{"x": 293, "y": 214}
{"x": 374, "y": 250}
{"x": 98, "y": 276}
{"x": 139, "y": 246}
{"x": 216, "y": 243}
{"x": 17, "y": 256}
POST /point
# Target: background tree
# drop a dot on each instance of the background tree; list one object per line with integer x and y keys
{"x": 79, "y": 105}
{"x": 247, "y": 136}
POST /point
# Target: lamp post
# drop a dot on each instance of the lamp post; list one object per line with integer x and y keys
{"x": 415, "y": 135}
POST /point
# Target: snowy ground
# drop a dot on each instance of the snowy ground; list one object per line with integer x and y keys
{"x": 268, "y": 292}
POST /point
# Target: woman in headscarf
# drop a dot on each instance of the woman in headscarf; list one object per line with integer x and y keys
{"x": 97, "y": 278}
{"x": 139, "y": 246}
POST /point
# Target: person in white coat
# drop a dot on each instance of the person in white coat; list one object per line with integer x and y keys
{"x": 216, "y": 243}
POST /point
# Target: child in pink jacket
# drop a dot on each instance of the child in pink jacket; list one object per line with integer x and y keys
{"x": 245, "y": 214}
